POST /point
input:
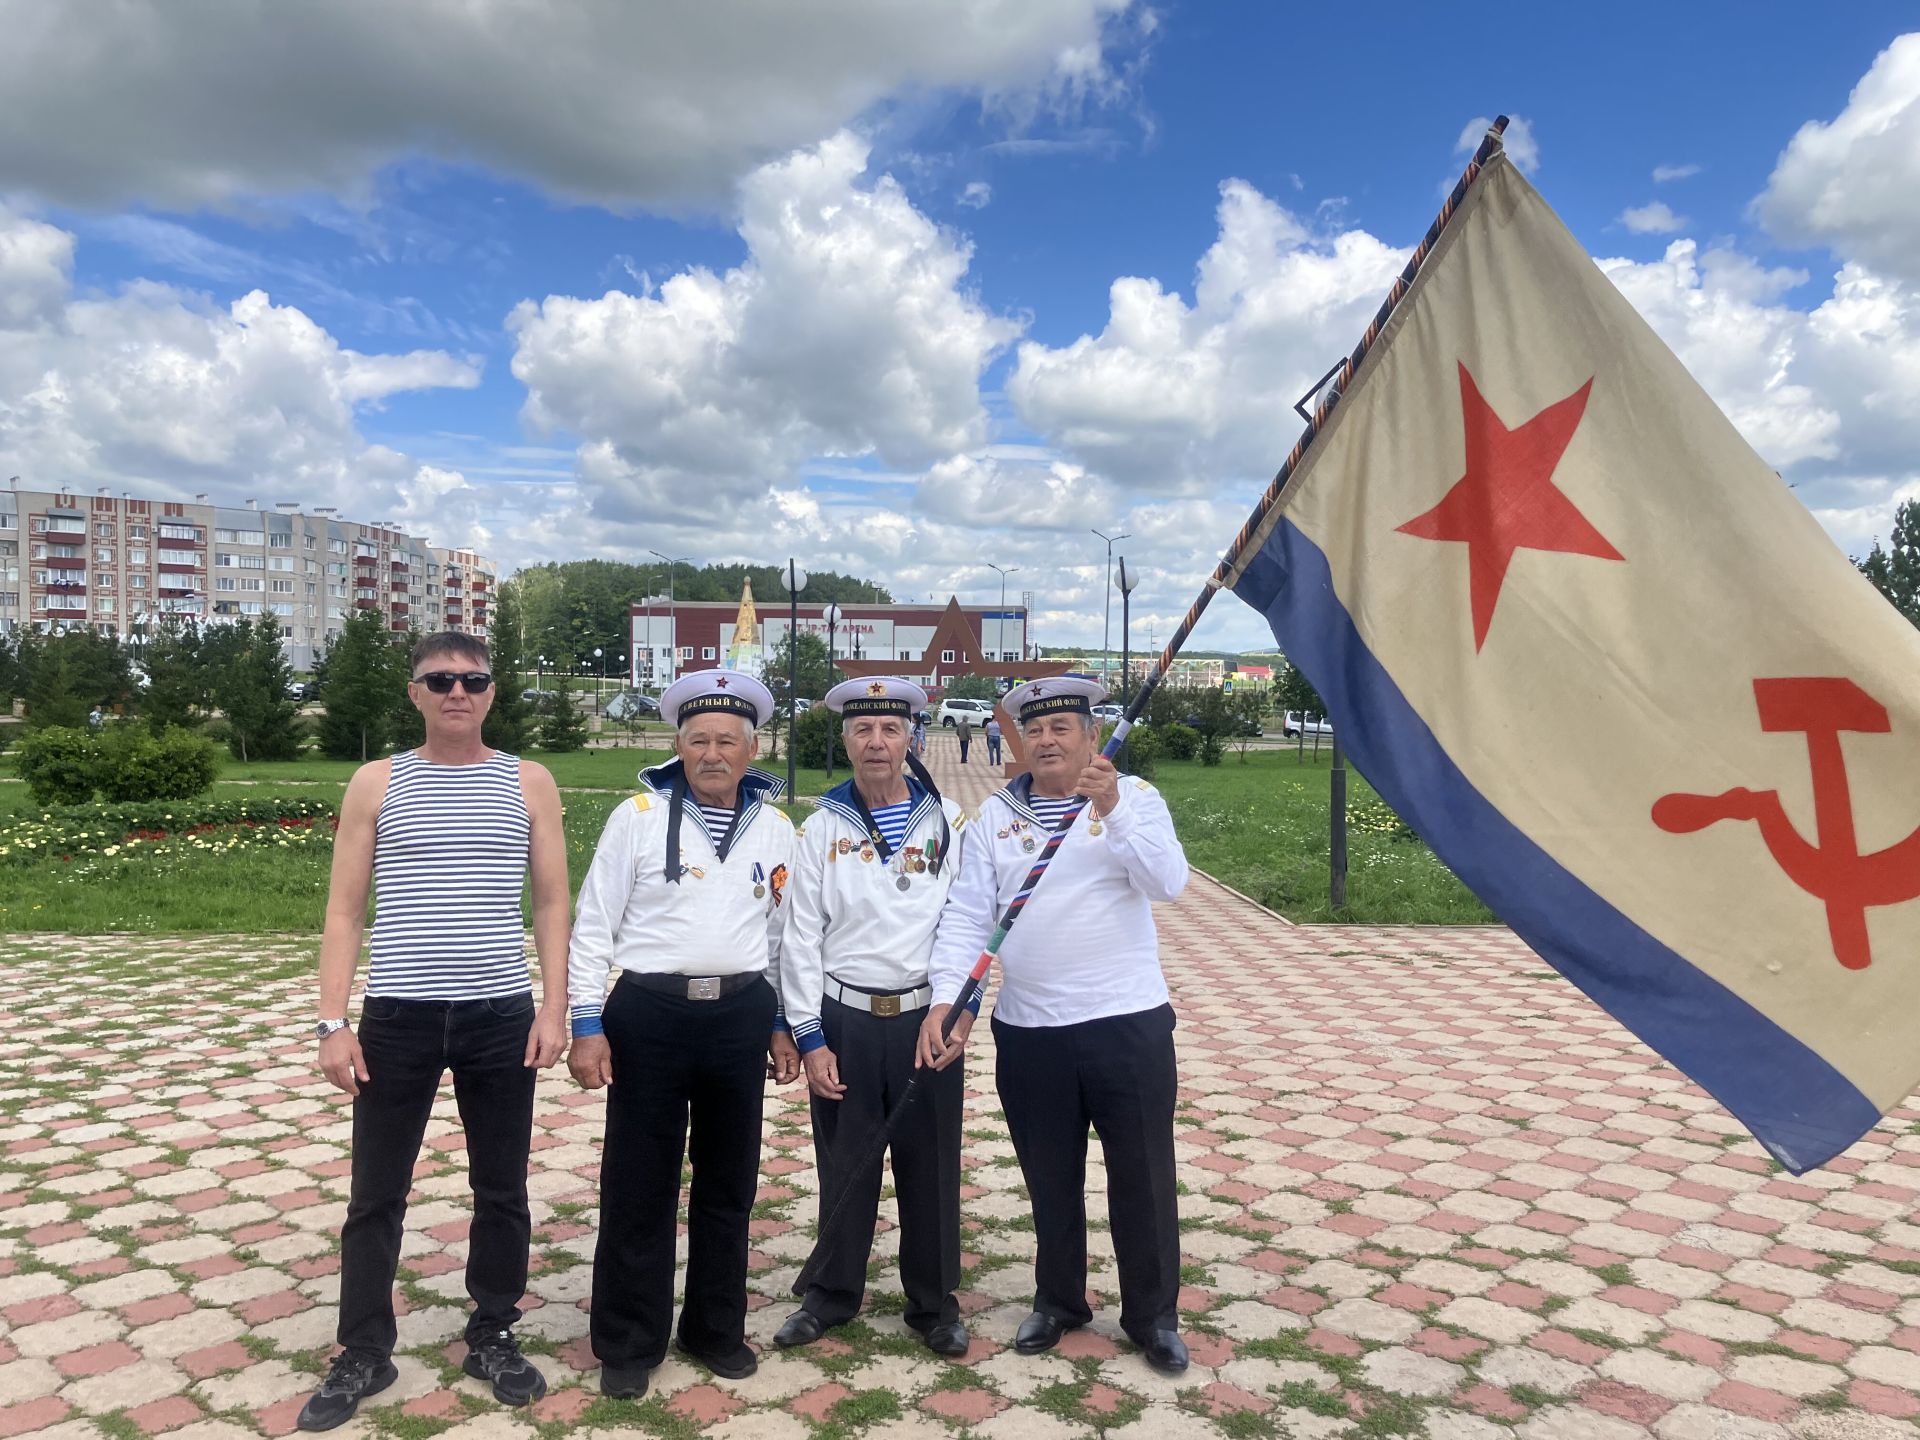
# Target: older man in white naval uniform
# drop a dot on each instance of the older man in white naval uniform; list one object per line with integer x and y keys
{"x": 1082, "y": 1029}
{"x": 871, "y": 871}
{"x": 684, "y": 898}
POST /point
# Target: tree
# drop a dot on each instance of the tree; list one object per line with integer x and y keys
{"x": 816, "y": 676}
{"x": 406, "y": 726}
{"x": 54, "y": 700}
{"x": 13, "y": 674}
{"x": 1296, "y": 692}
{"x": 509, "y": 724}
{"x": 972, "y": 687}
{"x": 562, "y": 726}
{"x": 252, "y": 689}
{"x": 357, "y": 675}
{"x": 176, "y": 693}
{"x": 1249, "y": 709}
{"x": 1895, "y": 572}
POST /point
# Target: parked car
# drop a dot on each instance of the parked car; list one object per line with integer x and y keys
{"x": 1294, "y": 724}
{"x": 978, "y": 711}
{"x": 633, "y": 705}
{"x": 1108, "y": 714}
{"x": 533, "y": 695}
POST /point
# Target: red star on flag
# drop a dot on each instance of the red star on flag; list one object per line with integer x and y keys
{"x": 1507, "y": 500}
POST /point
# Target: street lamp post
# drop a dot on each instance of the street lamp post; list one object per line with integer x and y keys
{"x": 832, "y": 618}
{"x": 673, "y": 630}
{"x": 1128, "y": 579}
{"x": 599, "y": 680}
{"x": 1106, "y": 634}
{"x": 796, "y": 582}
{"x": 1000, "y": 622}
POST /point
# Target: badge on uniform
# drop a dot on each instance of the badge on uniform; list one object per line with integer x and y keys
{"x": 1093, "y": 825}
{"x": 1027, "y": 844}
{"x": 694, "y": 870}
{"x": 932, "y": 863}
{"x": 845, "y": 847}
{"x": 759, "y": 882}
{"x": 866, "y": 850}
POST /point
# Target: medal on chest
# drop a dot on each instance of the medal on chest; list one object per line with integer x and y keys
{"x": 759, "y": 882}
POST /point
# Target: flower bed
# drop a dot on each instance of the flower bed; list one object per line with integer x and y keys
{"x": 70, "y": 831}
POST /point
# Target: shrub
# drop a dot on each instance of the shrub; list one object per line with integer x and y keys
{"x": 1211, "y": 748}
{"x": 1177, "y": 741}
{"x": 812, "y": 732}
{"x": 77, "y": 829}
{"x": 134, "y": 764}
{"x": 1137, "y": 754}
{"x": 58, "y": 764}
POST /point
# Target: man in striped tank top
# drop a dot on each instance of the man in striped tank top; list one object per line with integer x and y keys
{"x": 684, "y": 899}
{"x": 447, "y": 836}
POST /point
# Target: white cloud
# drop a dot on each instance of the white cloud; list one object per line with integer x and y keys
{"x": 1518, "y": 139}
{"x": 1172, "y": 395}
{"x": 1665, "y": 174}
{"x": 155, "y": 389}
{"x": 844, "y": 332}
{"x": 602, "y": 100}
{"x": 977, "y": 196}
{"x": 1853, "y": 184}
{"x": 1654, "y": 219}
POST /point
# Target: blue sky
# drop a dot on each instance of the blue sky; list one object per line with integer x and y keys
{"x": 890, "y": 382}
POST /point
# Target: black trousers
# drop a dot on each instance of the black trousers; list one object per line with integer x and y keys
{"x": 408, "y": 1045}
{"x": 1117, "y": 1075}
{"x": 876, "y": 1061}
{"x": 689, "y": 1079}
{"x": 965, "y": 741}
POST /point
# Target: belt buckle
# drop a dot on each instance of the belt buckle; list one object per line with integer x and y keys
{"x": 885, "y": 1006}
{"x": 703, "y": 987}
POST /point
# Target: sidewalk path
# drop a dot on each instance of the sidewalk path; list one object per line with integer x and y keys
{"x": 1427, "y": 1189}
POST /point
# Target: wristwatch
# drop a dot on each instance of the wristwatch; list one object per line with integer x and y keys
{"x": 326, "y": 1027}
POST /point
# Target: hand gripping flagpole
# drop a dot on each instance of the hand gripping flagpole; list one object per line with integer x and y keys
{"x": 1345, "y": 370}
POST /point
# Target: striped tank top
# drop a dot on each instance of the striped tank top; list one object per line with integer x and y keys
{"x": 449, "y": 864}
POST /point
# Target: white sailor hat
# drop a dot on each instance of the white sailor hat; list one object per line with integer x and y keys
{"x": 877, "y": 695}
{"x": 720, "y": 692}
{"x": 1060, "y": 694}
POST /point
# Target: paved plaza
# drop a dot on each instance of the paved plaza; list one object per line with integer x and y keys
{"x": 1427, "y": 1189}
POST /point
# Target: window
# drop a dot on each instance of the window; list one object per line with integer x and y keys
{"x": 308, "y": 542}
{"x": 686, "y": 652}
{"x": 103, "y": 605}
{"x": 278, "y": 541}
{"x": 179, "y": 532}
{"x": 103, "y": 531}
{"x": 280, "y": 562}
{"x": 9, "y": 522}
{"x": 136, "y": 532}
{"x": 946, "y": 657}
{"x": 39, "y": 526}
{"x": 241, "y": 537}
{"x": 103, "y": 582}
{"x": 283, "y": 587}
{"x": 136, "y": 582}
{"x": 225, "y": 582}
{"x": 103, "y": 554}
{"x": 1009, "y": 656}
{"x": 137, "y": 557}
{"x": 706, "y": 652}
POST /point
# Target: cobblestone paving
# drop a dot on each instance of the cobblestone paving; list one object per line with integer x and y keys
{"x": 1428, "y": 1188}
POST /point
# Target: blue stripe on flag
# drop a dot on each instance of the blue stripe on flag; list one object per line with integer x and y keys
{"x": 1788, "y": 1095}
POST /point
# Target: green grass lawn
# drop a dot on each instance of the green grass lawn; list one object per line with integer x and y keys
{"x": 1259, "y": 825}
{"x": 1262, "y": 827}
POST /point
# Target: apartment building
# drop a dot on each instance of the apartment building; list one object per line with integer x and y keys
{"x": 117, "y": 563}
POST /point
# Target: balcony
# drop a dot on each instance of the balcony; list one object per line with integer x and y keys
{"x": 182, "y": 567}
{"x": 400, "y": 567}
{"x": 365, "y": 604}
{"x": 66, "y": 532}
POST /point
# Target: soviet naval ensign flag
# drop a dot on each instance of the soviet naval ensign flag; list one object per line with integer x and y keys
{"x": 1583, "y": 639}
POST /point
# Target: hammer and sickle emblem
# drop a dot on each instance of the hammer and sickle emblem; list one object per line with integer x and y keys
{"x": 1832, "y": 869}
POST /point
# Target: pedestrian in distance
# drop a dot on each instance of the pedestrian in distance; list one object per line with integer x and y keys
{"x": 993, "y": 738}
{"x": 964, "y": 729}
{"x": 447, "y": 835}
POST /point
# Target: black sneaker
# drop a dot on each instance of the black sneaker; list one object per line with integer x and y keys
{"x": 496, "y": 1358}
{"x": 355, "y": 1375}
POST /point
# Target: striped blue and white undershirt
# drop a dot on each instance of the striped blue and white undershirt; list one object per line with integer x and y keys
{"x": 891, "y": 821}
{"x": 719, "y": 820}
{"x": 1048, "y": 809}
{"x": 449, "y": 865}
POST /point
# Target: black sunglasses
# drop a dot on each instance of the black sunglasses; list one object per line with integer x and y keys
{"x": 440, "y": 682}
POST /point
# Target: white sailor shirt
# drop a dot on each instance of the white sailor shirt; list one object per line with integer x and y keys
{"x": 723, "y": 917}
{"x": 1084, "y": 946}
{"x": 848, "y": 916}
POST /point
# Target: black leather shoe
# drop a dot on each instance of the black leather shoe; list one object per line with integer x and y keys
{"x": 1166, "y": 1352}
{"x": 624, "y": 1382}
{"x": 735, "y": 1364}
{"x": 496, "y": 1358}
{"x": 1038, "y": 1332}
{"x": 948, "y": 1338}
{"x": 355, "y": 1375}
{"x": 803, "y": 1327}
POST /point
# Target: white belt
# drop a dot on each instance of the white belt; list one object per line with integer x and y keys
{"x": 883, "y": 1006}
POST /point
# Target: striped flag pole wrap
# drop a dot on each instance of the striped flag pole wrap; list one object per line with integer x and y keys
{"x": 873, "y": 1147}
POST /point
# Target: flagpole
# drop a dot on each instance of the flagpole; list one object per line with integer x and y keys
{"x": 1490, "y": 145}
